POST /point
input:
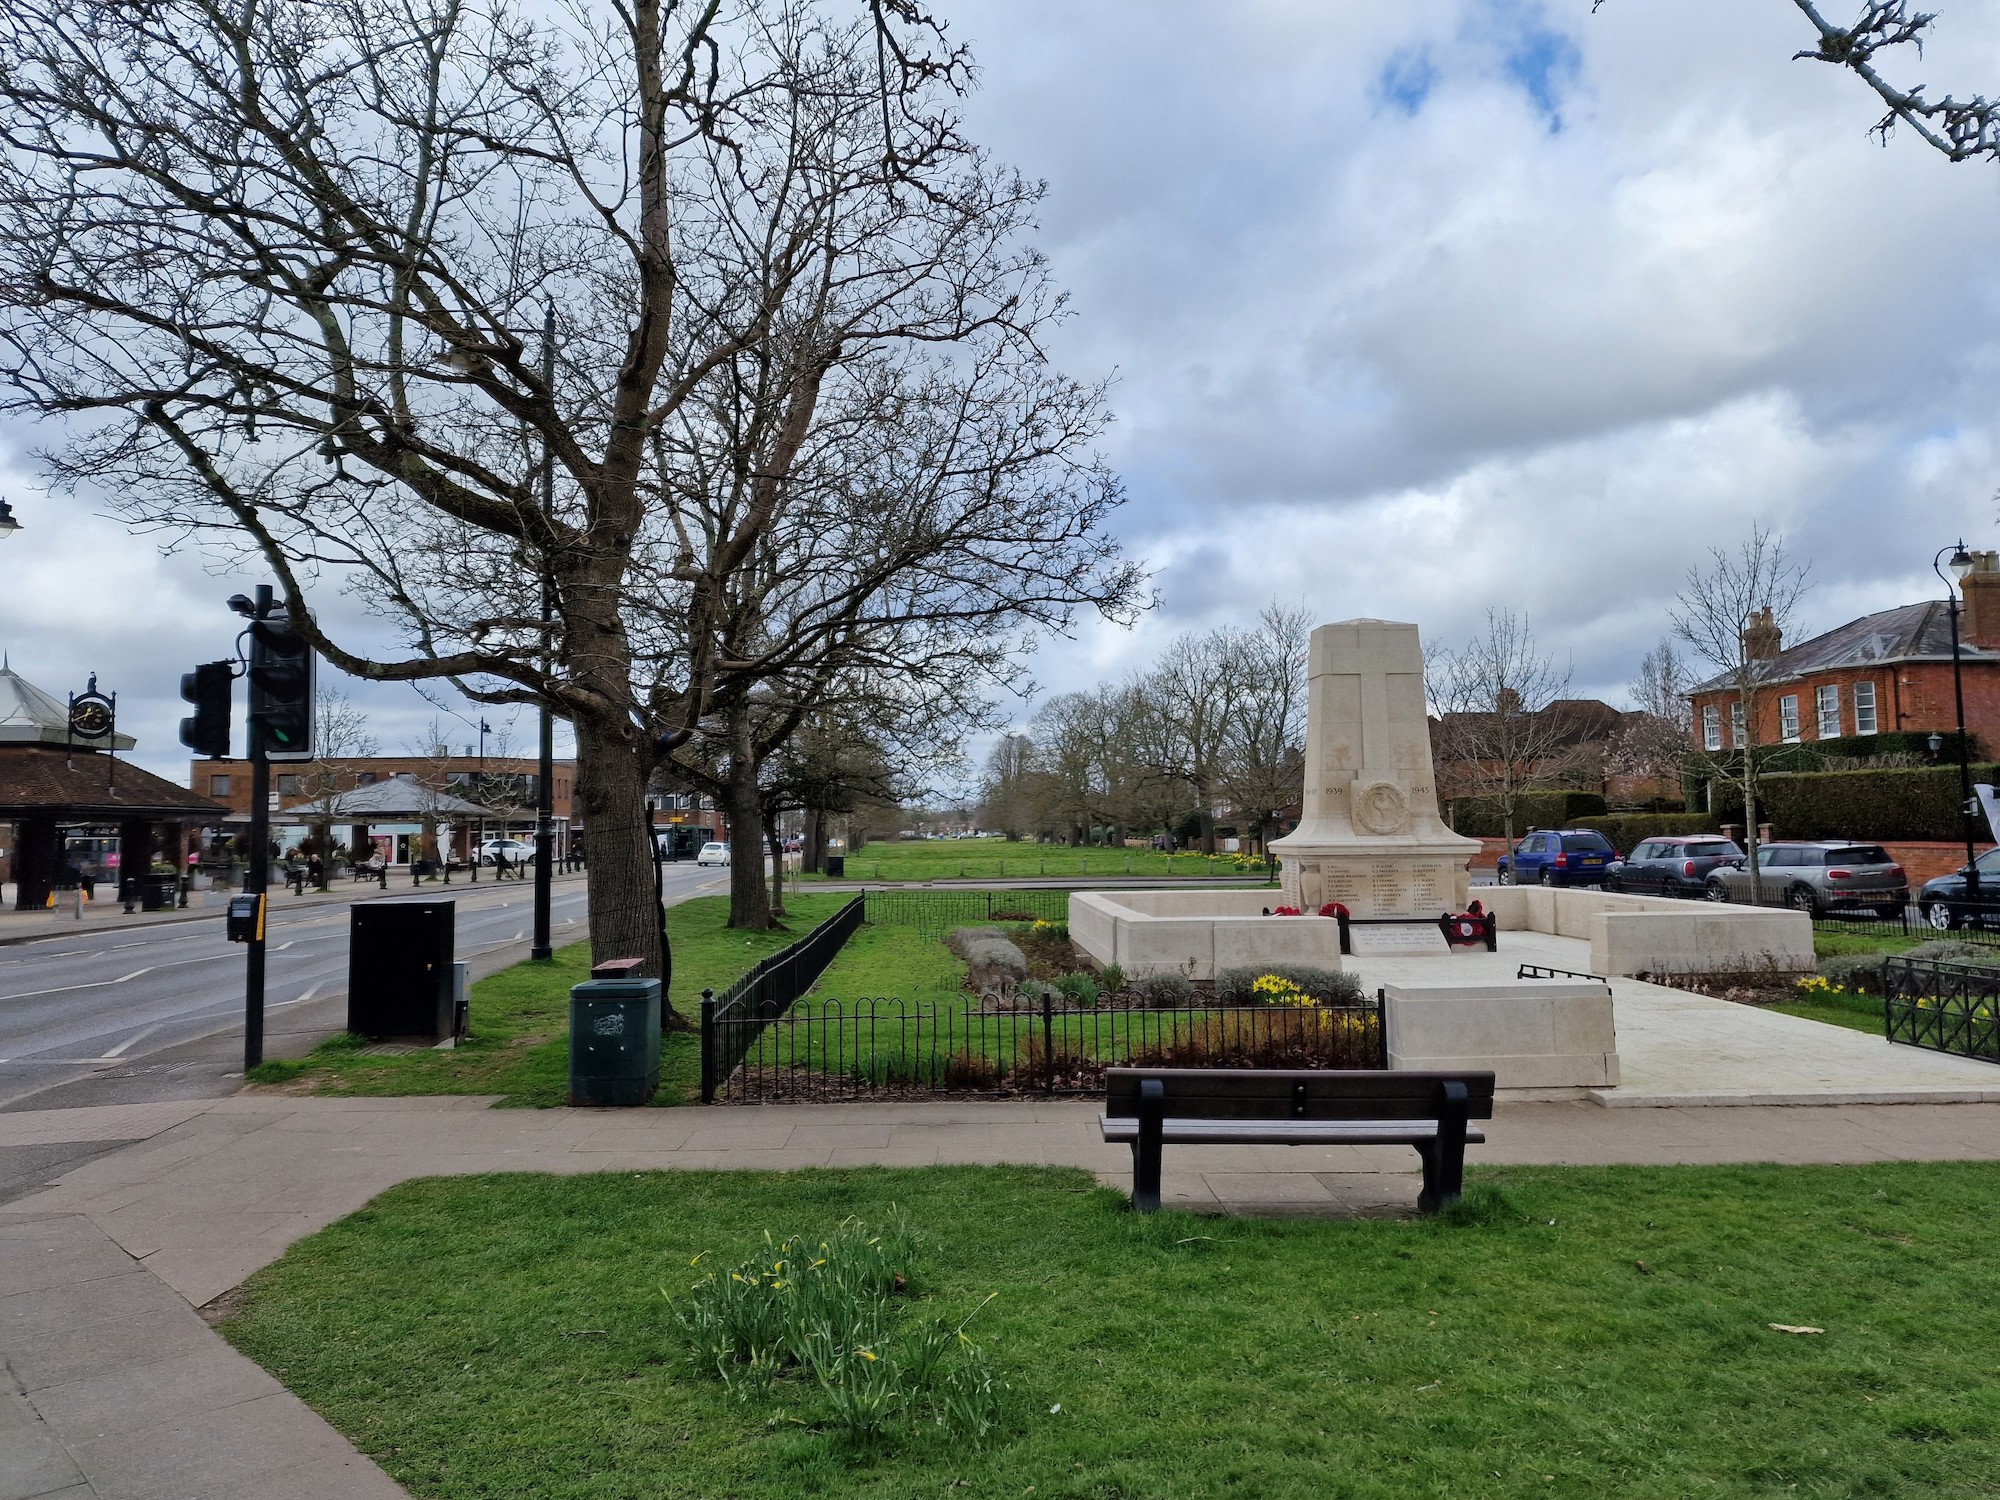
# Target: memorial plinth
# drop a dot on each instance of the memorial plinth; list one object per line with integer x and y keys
{"x": 1371, "y": 837}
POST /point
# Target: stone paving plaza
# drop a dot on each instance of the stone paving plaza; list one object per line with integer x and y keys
{"x": 115, "y": 1386}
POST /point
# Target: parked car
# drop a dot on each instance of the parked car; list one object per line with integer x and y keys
{"x": 1566, "y": 856}
{"x": 1674, "y": 866}
{"x": 1830, "y": 875}
{"x": 713, "y": 854}
{"x": 516, "y": 850}
{"x": 1945, "y": 903}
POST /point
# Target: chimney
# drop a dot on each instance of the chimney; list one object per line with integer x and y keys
{"x": 1762, "y": 639}
{"x": 1979, "y": 625}
{"x": 1507, "y": 701}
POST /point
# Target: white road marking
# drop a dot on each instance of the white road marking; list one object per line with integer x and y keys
{"x": 137, "y": 1036}
{"x": 310, "y": 993}
{"x": 518, "y": 936}
{"x": 283, "y": 946}
{"x": 63, "y": 989}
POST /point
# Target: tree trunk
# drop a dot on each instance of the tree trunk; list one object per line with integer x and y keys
{"x": 814, "y": 858}
{"x": 1750, "y": 829}
{"x": 611, "y": 790}
{"x": 749, "y": 897}
{"x": 1207, "y": 829}
{"x": 776, "y": 844}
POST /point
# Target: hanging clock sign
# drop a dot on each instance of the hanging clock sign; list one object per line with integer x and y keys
{"x": 92, "y": 715}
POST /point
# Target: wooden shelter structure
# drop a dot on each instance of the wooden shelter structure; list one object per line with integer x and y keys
{"x": 52, "y": 784}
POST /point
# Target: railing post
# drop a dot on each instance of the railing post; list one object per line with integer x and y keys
{"x": 708, "y": 1046}
{"x": 1048, "y": 1038}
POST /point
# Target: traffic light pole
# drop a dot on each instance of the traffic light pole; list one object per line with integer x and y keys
{"x": 258, "y": 881}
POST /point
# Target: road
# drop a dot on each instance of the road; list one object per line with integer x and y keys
{"x": 150, "y": 1013}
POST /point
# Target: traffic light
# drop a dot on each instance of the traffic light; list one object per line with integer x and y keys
{"x": 281, "y": 691}
{"x": 207, "y": 687}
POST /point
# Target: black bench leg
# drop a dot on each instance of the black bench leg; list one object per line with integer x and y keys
{"x": 1146, "y": 1149}
{"x": 1444, "y": 1158}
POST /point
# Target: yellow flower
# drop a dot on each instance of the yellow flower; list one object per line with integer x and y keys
{"x": 866, "y": 1355}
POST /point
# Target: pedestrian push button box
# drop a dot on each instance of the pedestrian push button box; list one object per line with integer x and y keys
{"x": 245, "y": 919}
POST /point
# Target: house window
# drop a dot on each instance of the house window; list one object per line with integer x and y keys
{"x": 218, "y": 786}
{"x": 288, "y": 786}
{"x": 1711, "y": 727}
{"x": 1788, "y": 717}
{"x": 1827, "y": 701}
{"x": 1864, "y": 708}
{"x": 1739, "y": 737}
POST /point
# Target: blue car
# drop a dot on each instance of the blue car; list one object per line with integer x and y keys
{"x": 1568, "y": 856}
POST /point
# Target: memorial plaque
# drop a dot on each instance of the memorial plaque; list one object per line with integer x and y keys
{"x": 1417, "y": 937}
{"x": 1389, "y": 889}
{"x": 1427, "y": 888}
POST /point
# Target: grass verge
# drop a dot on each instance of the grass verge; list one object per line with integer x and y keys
{"x": 519, "y": 1047}
{"x": 1573, "y": 1332}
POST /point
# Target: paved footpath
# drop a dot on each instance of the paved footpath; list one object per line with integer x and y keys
{"x": 115, "y": 1387}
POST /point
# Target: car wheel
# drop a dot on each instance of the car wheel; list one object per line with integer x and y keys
{"x": 1548, "y": 877}
{"x": 1801, "y": 898}
{"x": 1505, "y": 876}
{"x": 1940, "y": 916}
{"x": 1613, "y": 885}
{"x": 1713, "y": 891}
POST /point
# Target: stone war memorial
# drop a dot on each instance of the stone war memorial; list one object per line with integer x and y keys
{"x": 1371, "y": 840}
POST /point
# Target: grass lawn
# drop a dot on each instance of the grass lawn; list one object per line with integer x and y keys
{"x": 1826, "y": 944}
{"x": 1580, "y": 1332}
{"x": 519, "y": 1046}
{"x": 1837, "y": 1008}
{"x": 986, "y": 859}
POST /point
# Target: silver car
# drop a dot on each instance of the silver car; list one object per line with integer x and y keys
{"x": 1830, "y": 875}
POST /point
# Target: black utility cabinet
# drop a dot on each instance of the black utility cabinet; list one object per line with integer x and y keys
{"x": 399, "y": 956}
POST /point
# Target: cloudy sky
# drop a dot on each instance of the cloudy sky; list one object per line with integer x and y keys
{"x": 1415, "y": 309}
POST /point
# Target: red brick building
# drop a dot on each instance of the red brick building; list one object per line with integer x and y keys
{"x": 1886, "y": 673}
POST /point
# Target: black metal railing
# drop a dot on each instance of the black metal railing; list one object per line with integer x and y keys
{"x": 1543, "y": 971}
{"x": 730, "y": 1022}
{"x": 934, "y": 913}
{"x": 1944, "y": 1007}
{"x": 1910, "y": 923}
{"x": 832, "y": 1049}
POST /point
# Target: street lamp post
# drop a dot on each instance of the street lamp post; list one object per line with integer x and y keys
{"x": 545, "y": 824}
{"x": 1961, "y": 565}
{"x": 8, "y": 525}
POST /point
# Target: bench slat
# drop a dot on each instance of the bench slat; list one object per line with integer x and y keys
{"x": 1298, "y": 1094}
{"x": 1120, "y": 1131}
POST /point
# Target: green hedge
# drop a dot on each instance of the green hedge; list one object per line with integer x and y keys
{"x": 1919, "y": 802}
{"x": 1625, "y": 830}
{"x": 1479, "y": 817}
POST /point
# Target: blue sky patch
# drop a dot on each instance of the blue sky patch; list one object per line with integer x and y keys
{"x": 1540, "y": 59}
{"x": 1407, "y": 79}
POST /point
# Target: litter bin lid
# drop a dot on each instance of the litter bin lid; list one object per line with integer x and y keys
{"x": 616, "y": 989}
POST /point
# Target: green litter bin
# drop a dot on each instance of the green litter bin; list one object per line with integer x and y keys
{"x": 614, "y": 1041}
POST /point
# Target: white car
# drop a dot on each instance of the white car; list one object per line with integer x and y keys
{"x": 713, "y": 854}
{"x": 518, "y": 851}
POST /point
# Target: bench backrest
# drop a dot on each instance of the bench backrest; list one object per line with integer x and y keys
{"x": 1295, "y": 1094}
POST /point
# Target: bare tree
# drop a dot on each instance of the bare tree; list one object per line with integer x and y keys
{"x": 1195, "y": 692}
{"x": 1266, "y": 756}
{"x": 1495, "y": 731}
{"x": 404, "y": 299}
{"x": 340, "y": 738}
{"x": 1652, "y": 743}
{"x": 1007, "y": 790}
{"x": 1961, "y": 130}
{"x": 1732, "y": 615}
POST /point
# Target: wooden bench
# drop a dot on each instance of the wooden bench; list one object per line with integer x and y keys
{"x": 1151, "y": 1108}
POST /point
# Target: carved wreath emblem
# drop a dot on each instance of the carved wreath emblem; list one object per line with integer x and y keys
{"x": 1380, "y": 805}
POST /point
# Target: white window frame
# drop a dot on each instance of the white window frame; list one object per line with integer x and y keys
{"x": 1711, "y": 727}
{"x": 1788, "y": 718}
{"x": 1739, "y": 734}
{"x": 1865, "y": 718}
{"x": 1826, "y": 707}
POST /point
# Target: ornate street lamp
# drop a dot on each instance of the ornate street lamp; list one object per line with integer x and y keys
{"x": 8, "y": 525}
{"x": 1961, "y": 565}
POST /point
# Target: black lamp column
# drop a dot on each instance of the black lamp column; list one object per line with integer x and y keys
{"x": 545, "y": 823}
{"x": 1961, "y": 565}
